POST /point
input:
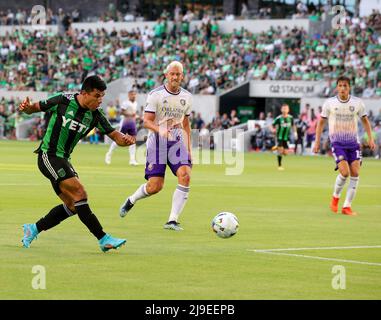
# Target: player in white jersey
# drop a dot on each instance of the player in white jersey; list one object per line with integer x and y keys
{"x": 167, "y": 117}
{"x": 127, "y": 125}
{"x": 343, "y": 113}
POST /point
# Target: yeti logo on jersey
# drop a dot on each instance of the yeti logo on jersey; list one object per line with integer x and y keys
{"x": 182, "y": 101}
{"x": 73, "y": 125}
{"x": 351, "y": 108}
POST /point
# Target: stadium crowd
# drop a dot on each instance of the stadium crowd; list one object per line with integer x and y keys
{"x": 214, "y": 61}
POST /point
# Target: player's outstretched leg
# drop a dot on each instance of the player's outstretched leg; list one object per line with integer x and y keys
{"x": 30, "y": 233}
{"x": 179, "y": 199}
{"x": 127, "y": 205}
{"x": 132, "y": 151}
{"x": 351, "y": 192}
{"x": 53, "y": 218}
{"x": 109, "y": 152}
{"x": 279, "y": 157}
{"x": 339, "y": 185}
{"x": 107, "y": 242}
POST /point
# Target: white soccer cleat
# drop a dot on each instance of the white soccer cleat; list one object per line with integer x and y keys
{"x": 108, "y": 158}
{"x": 173, "y": 225}
{"x": 133, "y": 163}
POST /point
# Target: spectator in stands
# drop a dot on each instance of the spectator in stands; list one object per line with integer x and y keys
{"x": 76, "y": 15}
{"x": 112, "y": 112}
{"x": 93, "y": 136}
{"x": 149, "y": 84}
{"x": 306, "y": 113}
{"x": 269, "y": 120}
{"x": 369, "y": 91}
{"x": 301, "y": 128}
{"x": 227, "y": 59}
{"x": 225, "y": 121}
{"x": 257, "y": 140}
{"x": 311, "y": 131}
{"x": 204, "y": 137}
{"x": 244, "y": 11}
{"x": 199, "y": 121}
{"x": 234, "y": 120}
{"x": 378, "y": 90}
{"x": 301, "y": 10}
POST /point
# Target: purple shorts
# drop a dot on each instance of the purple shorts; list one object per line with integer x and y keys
{"x": 349, "y": 153}
{"x": 129, "y": 127}
{"x": 161, "y": 152}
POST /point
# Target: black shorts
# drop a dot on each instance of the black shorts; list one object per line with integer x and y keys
{"x": 55, "y": 169}
{"x": 283, "y": 144}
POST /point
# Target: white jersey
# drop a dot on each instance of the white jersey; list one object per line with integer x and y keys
{"x": 343, "y": 117}
{"x": 129, "y": 107}
{"x": 169, "y": 108}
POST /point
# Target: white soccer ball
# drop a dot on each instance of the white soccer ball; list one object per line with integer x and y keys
{"x": 225, "y": 224}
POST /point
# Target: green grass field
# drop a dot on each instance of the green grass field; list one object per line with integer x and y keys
{"x": 276, "y": 210}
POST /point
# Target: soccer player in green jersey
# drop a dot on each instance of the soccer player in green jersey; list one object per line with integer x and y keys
{"x": 283, "y": 124}
{"x": 72, "y": 117}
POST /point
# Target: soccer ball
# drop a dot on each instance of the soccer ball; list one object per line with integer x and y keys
{"x": 225, "y": 224}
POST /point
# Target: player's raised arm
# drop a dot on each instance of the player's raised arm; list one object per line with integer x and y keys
{"x": 28, "y": 107}
{"x": 319, "y": 130}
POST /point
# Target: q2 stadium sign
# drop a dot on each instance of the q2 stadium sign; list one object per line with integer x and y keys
{"x": 285, "y": 89}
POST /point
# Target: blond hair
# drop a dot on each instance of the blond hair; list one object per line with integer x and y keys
{"x": 174, "y": 64}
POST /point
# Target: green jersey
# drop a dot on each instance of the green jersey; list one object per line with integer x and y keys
{"x": 283, "y": 125}
{"x": 68, "y": 123}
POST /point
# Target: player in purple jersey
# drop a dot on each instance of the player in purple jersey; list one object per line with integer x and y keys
{"x": 342, "y": 113}
{"x": 127, "y": 125}
{"x": 167, "y": 117}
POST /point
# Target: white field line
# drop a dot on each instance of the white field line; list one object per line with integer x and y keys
{"x": 317, "y": 248}
{"x": 280, "y": 251}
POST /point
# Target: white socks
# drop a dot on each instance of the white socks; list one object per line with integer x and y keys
{"x": 351, "y": 192}
{"x": 132, "y": 150}
{"x": 180, "y": 197}
{"x": 339, "y": 185}
{"x": 112, "y": 147}
{"x": 140, "y": 193}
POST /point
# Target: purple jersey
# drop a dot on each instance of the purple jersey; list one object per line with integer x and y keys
{"x": 129, "y": 127}
{"x": 162, "y": 152}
